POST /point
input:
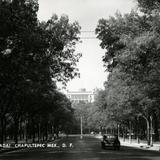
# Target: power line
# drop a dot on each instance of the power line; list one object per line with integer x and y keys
{"x": 88, "y": 31}
{"x": 88, "y": 38}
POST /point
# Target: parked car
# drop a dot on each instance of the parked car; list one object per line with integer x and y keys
{"x": 110, "y": 141}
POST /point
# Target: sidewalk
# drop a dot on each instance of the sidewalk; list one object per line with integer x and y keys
{"x": 135, "y": 144}
{"x": 141, "y": 145}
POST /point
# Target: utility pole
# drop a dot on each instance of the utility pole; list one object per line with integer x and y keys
{"x": 118, "y": 130}
{"x": 81, "y": 128}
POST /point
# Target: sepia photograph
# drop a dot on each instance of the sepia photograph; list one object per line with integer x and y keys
{"x": 79, "y": 79}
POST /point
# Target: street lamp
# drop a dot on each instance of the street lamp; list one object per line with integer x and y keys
{"x": 149, "y": 129}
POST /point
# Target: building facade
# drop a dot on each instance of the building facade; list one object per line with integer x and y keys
{"x": 81, "y": 96}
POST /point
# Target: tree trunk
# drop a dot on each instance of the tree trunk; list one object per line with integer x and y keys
{"x": 2, "y": 130}
{"x": 148, "y": 129}
{"x": 130, "y": 132}
{"x": 151, "y": 130}
{"x": 46, "y": 131}
{"x": 137, "y": 129}
{"x": 124, "y": 133}
{"x": 16, "y": 123}
{"x": 156, "y": 138}
{"x": 39, "y": 132}
{"x": 148, "y": 132}
{"x": 25, "y": 131}
{"x": 33, "y": 131}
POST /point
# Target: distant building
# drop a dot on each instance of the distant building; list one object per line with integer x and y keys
{"x": 81, "y": 96}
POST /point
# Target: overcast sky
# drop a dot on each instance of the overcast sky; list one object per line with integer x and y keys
{"x": 87, "y": 13}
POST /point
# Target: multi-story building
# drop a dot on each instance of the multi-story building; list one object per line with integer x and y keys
{"x": 81, "y": 95}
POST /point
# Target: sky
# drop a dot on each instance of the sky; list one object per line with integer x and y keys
{"x": 87, "y": 13}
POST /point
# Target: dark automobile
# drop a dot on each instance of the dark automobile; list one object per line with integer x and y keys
{"x": 110, "y": 141}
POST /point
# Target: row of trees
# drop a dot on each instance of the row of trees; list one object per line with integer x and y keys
{"x": 93, "y": 115}
{"x": 34, "y": 56}
{"x": 131, "y": 95}
{"x": 85, "y": 111}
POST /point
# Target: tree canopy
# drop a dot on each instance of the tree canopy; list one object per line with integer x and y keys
{"x": 132, "y": 58}
{"x": 34, "y": 56}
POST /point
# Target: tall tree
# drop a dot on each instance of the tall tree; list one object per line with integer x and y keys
{"x": 132, "y": 46}
{"x": 33, "y": 57}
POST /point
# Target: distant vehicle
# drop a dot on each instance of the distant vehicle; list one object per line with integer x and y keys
{"x": 92, "y": 132}
{"x": 110, "y": 141}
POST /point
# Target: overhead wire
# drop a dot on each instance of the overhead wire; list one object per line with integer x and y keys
{"x": 87, "y": 31}
{"x": 88, "y": 37}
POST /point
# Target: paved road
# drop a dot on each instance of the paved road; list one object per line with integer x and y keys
{"x": 86, "y": 149}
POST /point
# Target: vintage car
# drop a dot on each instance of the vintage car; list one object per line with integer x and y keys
{"x": 110, "y": 141}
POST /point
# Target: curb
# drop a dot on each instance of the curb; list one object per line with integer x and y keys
{"x": 9, "y": 150}
{"x": 141, "y": 146}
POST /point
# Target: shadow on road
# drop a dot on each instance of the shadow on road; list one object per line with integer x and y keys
{"x": 87, "y": 148}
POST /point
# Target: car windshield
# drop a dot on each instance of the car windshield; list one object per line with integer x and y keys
{"x": 109, "y": 137}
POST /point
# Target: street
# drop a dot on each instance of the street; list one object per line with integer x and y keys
{"x": 86, "y": 149}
